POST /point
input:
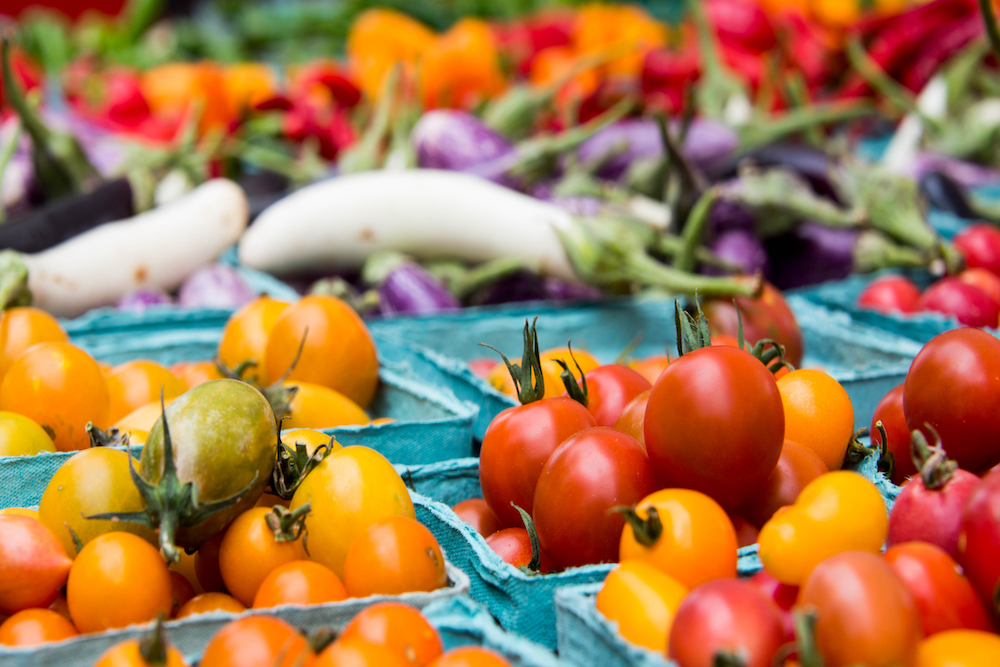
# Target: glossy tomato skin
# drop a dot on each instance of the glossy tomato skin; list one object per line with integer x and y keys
{"x": 643, "y": 601}
{"x": 209, "y": 602}
{"x": 951, "y": 385}
{"x": 931, "y": 515}
{"x": 398, "y": 627}
{"x": 249, "y": 552}
{"x": 890, "y": 412}
{"x": 985, "y": 280}
{"x": 137, "y": 383}
{"x": 651, "y": 368}
{"x": 590, "y": 473}
{"x": 783, "y": 595}
{"x": 517, "y": 443}
{"x": 477, "y": 514}
{"x": 980, "y": 243}
{"x": 891, "y": 294}
{"x": 393, "y": 556}
{"x": 32, "y": 564}
{"x": 979, "y": 537}
{"x": 35, "y": 626}
{"x": 726, "y": 616}
{"x": 766, "y": 316}
{"x": 514, "y": 546}
{"x": 944, "y": 596}
{"x": 632, "y": 420}
{"x": 796, "y": 468}
{"x": 969, "y": 305}
{"x": 865, "y": 613}
{"x": 470, "y": 656}
{"x": 610, "y": 388}
{"x": 257, "y": 641}
{"x": 23, "y": 326}
{"x": 818, "y": 414}
{"x": 715, "y": 423}
{"x": 959, "y": 648}
{"x": 245, "y": 336}
{"x": 299, "y": 582}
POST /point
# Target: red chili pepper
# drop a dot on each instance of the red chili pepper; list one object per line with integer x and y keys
{"x": 666, "y": 76}
{"x": 520, "y": 41}
{"x": 940, "y": 45}
{"x": 742, "y": 23}
{"x": 330, "y": 75}
{"x": 330, "y": 126}
{"x": 808, "y": 46}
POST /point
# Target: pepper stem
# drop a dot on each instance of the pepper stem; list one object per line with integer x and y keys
{"x": 529, "y": 382}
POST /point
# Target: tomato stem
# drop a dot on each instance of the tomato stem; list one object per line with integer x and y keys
{"x": 932, "y": 461}
{"x": 646, "y": 531}
{"x": 529, "y": 382}
{"x": 692, "y": 330}
{"x": 110, "y": 438}
{"x": 576, "y": 390}
{"x": 292, "y": 465}
{"x": 288, "y": 525}
{"x": 153, "y": 646}
{"x": 805, "y": 637}
{"x": 535, "y": 565}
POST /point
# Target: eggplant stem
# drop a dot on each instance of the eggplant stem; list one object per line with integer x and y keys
{"x": 990, "y": 20}
{"x": 694, "y": 230}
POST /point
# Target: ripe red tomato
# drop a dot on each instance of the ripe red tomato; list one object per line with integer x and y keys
{"x": 969, "y": 305}
{"x": 980, "y": 243}
{"x": 890, "y": 412}
{"x": 795, "y": 469}
{"x": 610, "y": 389}
{"x": 979, "y": 537}
{"x": 478, "y": 514}
{"x": 783, "y": 595}
{"x": 951, "y": 387}
{"x": 890, "y": 294}
{"x": 985, "y": 280}
{"x": 517, "y": 443}
{"x": 514, "y": 546}
{"x": 632, "y": 420}
{"x": 746, "y": 532}
{"x": 715, "y": 423}
{"x": 589, "y": 474}
{"x": 767, "y": 316}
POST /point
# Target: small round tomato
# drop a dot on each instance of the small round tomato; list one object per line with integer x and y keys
{"x": 299, "y": 582}
{"x": 987, "y": 281}
{"x": 94, "y": 481}
{"x": 311, "y": 438}
{"x": 980, "y": 243}
{"x": 726, "y": 617}
{"x": 478, "y": 514}
{"x": 864, "y": 613}
{"x": 890, "y": 294}
{"x": 610, "y": 389}
{"x": 358, "y": 653}
{"x": 60, "y": 387}
{"x": 632, "y": 420}
{"x": 513, "y": 545}
{"x": 643, "y": 601}
{"x": 746, "y": 532}
{"x": 959, "y": 648}
{"x": 314, "y": 406}
{"x": 393, "y": 556}
{"x": 599, "y": 469}
{"x": 783, "y": 595}
{"x": 206, "y": 564}
{"x": 470, "y": 656}
{"x": 818, "y": 414}
{"x": 35, "y": 626}
{"x": 950, "y": 387}
{"x": 209, "y": 602}
{"x": 32, "y": 564}
{"x": 839, "y": 511}
{"x": 399, "y": 628}
{"x": 245, "y": 337}
{"x": 499, "y": 376}
{"x": 767, "y": 316}
{"x": 257, "y": 641}
{"x": 338, "y": 352}
{"x": 20, "y": 511}
{"x": 944, "y": 596}
{"x": 133, "y": 653}
{"x": 651, "y": 368}
{"x": 116, "y": 580}
{"x": 250, "y": 551}
{"x": 796, "y": 468}
{"x": 181, "y": 592}
{"x": 21, "y": 436}
{"x": 690, "y": 538}
{"x": 715, "y": 424}
{"x": 979, "y": 537}
{"x": 351, "y": 489}
{"x": 890, "y": 412}
{"x": 585, "y": 360}
{"x": 22, "y": 327}
{"x": 194, "y": 373}
{"x": 969, "y": 305}
{"x": 141, "y": 421}
{"x": 137, "y": 383}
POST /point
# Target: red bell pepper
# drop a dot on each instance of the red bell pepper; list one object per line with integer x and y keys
{"x": 520, "y": 41}
{"x": 939, "y": 46}
{"x": 741, "y": 23}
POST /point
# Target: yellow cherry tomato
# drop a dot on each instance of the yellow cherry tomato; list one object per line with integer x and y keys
{"x": 839, "y": 511}
{"x": 696, "y": 541}
{"x": 351, "y": 489}
{"x": 21, "y": 511}
{"x": 643, "y": 601}
{"x": 500, "y": 379}
{"x": 314, "y": 406}
{"x": 137, "y": 383}
{"x": 959, "y": 648}
{"x": 311, "y": 438}
{"x": 141, "y": 420}
{"x": 21, "y": 436}
{"x": 818, "y": 414}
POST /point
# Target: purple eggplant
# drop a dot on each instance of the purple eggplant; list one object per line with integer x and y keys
{"x": 557, "y": 289}
{"x": 141, "y": 299}
{"x": 405, "y": 287}
{"x": 741, "y": 249}
{"x": 727, "y": 216}
{"x": 456, "y": 141}
{"x": 216, "y": 286}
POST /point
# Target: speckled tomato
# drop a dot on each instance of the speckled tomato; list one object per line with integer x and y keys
{"x": 767, "y": 316}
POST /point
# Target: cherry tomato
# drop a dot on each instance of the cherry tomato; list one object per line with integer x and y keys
{"x": 514, "y": 546}
{"x": 839, "y": 511}
{"x": 651, "y": 368}
{"x": 351, "y": 489}
{"x": 959, "y": 648}
{"x": 797, "y": 467}
{"x": 696, "y": 542}
{"x": 181, "y": 592}
{"x": 394, "y": 555}
{"x": 944, "y": 596}
{"x": 116, "y": 580}
{"x": 632, "y": 420}
{"x": 890, "y": 412}
{"x": 130, "y": 654}
{"x": 643, "y": 601}
{"x": 358, "y": 653}
{"x": 32, "y": 564}
{"x": 783, "y": 595}
{"x": 299, "y": 582}
{"x": 985, "y": 280}
{"x": 890, "y": 294}
{"x": 206, "y": 564}
{"x": 979, "y": 538}
{"x": 865, "y": 615}
{"x": 194, "y": 373}
{"x": 20, "y": 511}
{"x": 767, "y": 316}
{"x": 609, "y": 389}
{"x": 311, "y": 438}
{"x": 727, "y": 402}
{"x": 470, "y": 656}
{"x": 209, "y": 602}
{"x": 726, "y": 616}
{"x": 314, "y": 406}
{"x": 980, "y": 243}
{"x": 725, "y": 340}
{"x": 399, "y": 628}
{"x": 516, "y": 446}
{"x": 21, "y": 436}
{"x": 22, "y": 327}
{"x": 500, "y": 378}
{"x": 250, "y": 551}
{"x": 257, "y": 641}
{"x": 60, "y": 387}
{"x": 137, "y": 383}
{"x": 35, "y": 626}
{"x": 141, "y": 421}
{"x": 746, "y": 532}
{"x": 599, "y": 468}
{"x": 478, "y": 514}
{"x": 338, "y": 352}
{"x": 245, "y": 337}
{"x": 818, "y": 414}
{"x": 969, "y": 305}
{"x": 950, "y": 386}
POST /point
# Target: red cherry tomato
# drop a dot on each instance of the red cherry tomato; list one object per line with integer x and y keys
{"x": 783, "y": 595}
{"x": 715, "y": 423}
{"x": 969, "y": 305}
{"x": 588, "y": 475}
{"x": 767, "y": 316}
{"x": 890, "y": 412}
{"x": 478, "y": 514}
{"x": 514, "y": 546}
{"x": 979, "y": 538}
{"x": 797, "y": 467}
{"x": 746, "y": 532}
{"x": 985, "y": 280}
{"x": 632, "y": 420}
{"x": 610, "y": 389}
{"x": 890, "y": 294}
{"x": 980, "y": 243}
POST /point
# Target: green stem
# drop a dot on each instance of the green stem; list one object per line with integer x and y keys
{"x": 694, "y": 231}
{"x": 15, "y": 98}
{"x": 801, "y": 120}
{"x": 990, "y": 20}
{"x": 13, "y": 280}
{"x": 671, "y": 246}
{"x": 5, "y": 157}
{"x": 644, "y": 270}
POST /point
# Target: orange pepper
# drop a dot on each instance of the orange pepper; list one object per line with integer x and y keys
{"x": 600, "y": 28}
{"x": 172, "y": 89}
{"x": 248, "y": 84}
{"x": 845, "y": 13}
{"x": 461, "y": 68}
{"x": 378, "y": 39}
{"x": 554, "y": 63}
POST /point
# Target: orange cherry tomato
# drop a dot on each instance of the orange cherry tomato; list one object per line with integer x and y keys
{"x": 20, "y": 511}
{"x": 60, "y": 387}
{"x": 130, "y": 653}
{"x": 959, "y": 648}
{"x": 209, "y": 602}
{"x": 315, "y": 406}
{"x": 338, "y": 352}
{"x": 300, "y": 582}
{"x": 695, "y": 541}
{"x": 395, "y": 555}
{"x": 181, "y": 592}
{"x": 633, "y": 418}
{"x": 22, "y": 327}
{"x": 651, "y": 368}
{"x": 174, "y": 88}
{"x": 185, "y": 567}
{"x": 797, "y": 467}
{"x": 478, "y": 514}
{"x": 553, "y": 64}
{"x": 358, "y": 653}
{"x": 257, "y": 641}
{"x": 250, "y": 551}
{"x": 643, "y": 601}
{"x": 818, "y": 414}
{"x": 116, "y": 580}
{"x": 21, "y": 436}
{"x": 33, "y": 566}
{"x": 35, "y": 626}
{"x": 137, "y": 383}
{"x": 462, "y": 67}
{"x": 398, "y": 627}
{"x": 245, "y": 337}
{"x": 500, "y": 378}
{"x": 140, "y": 422}
{"x": 471, "y": 656}
{"x": 206, "y": 564}
{"x": 194, "y": 373}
